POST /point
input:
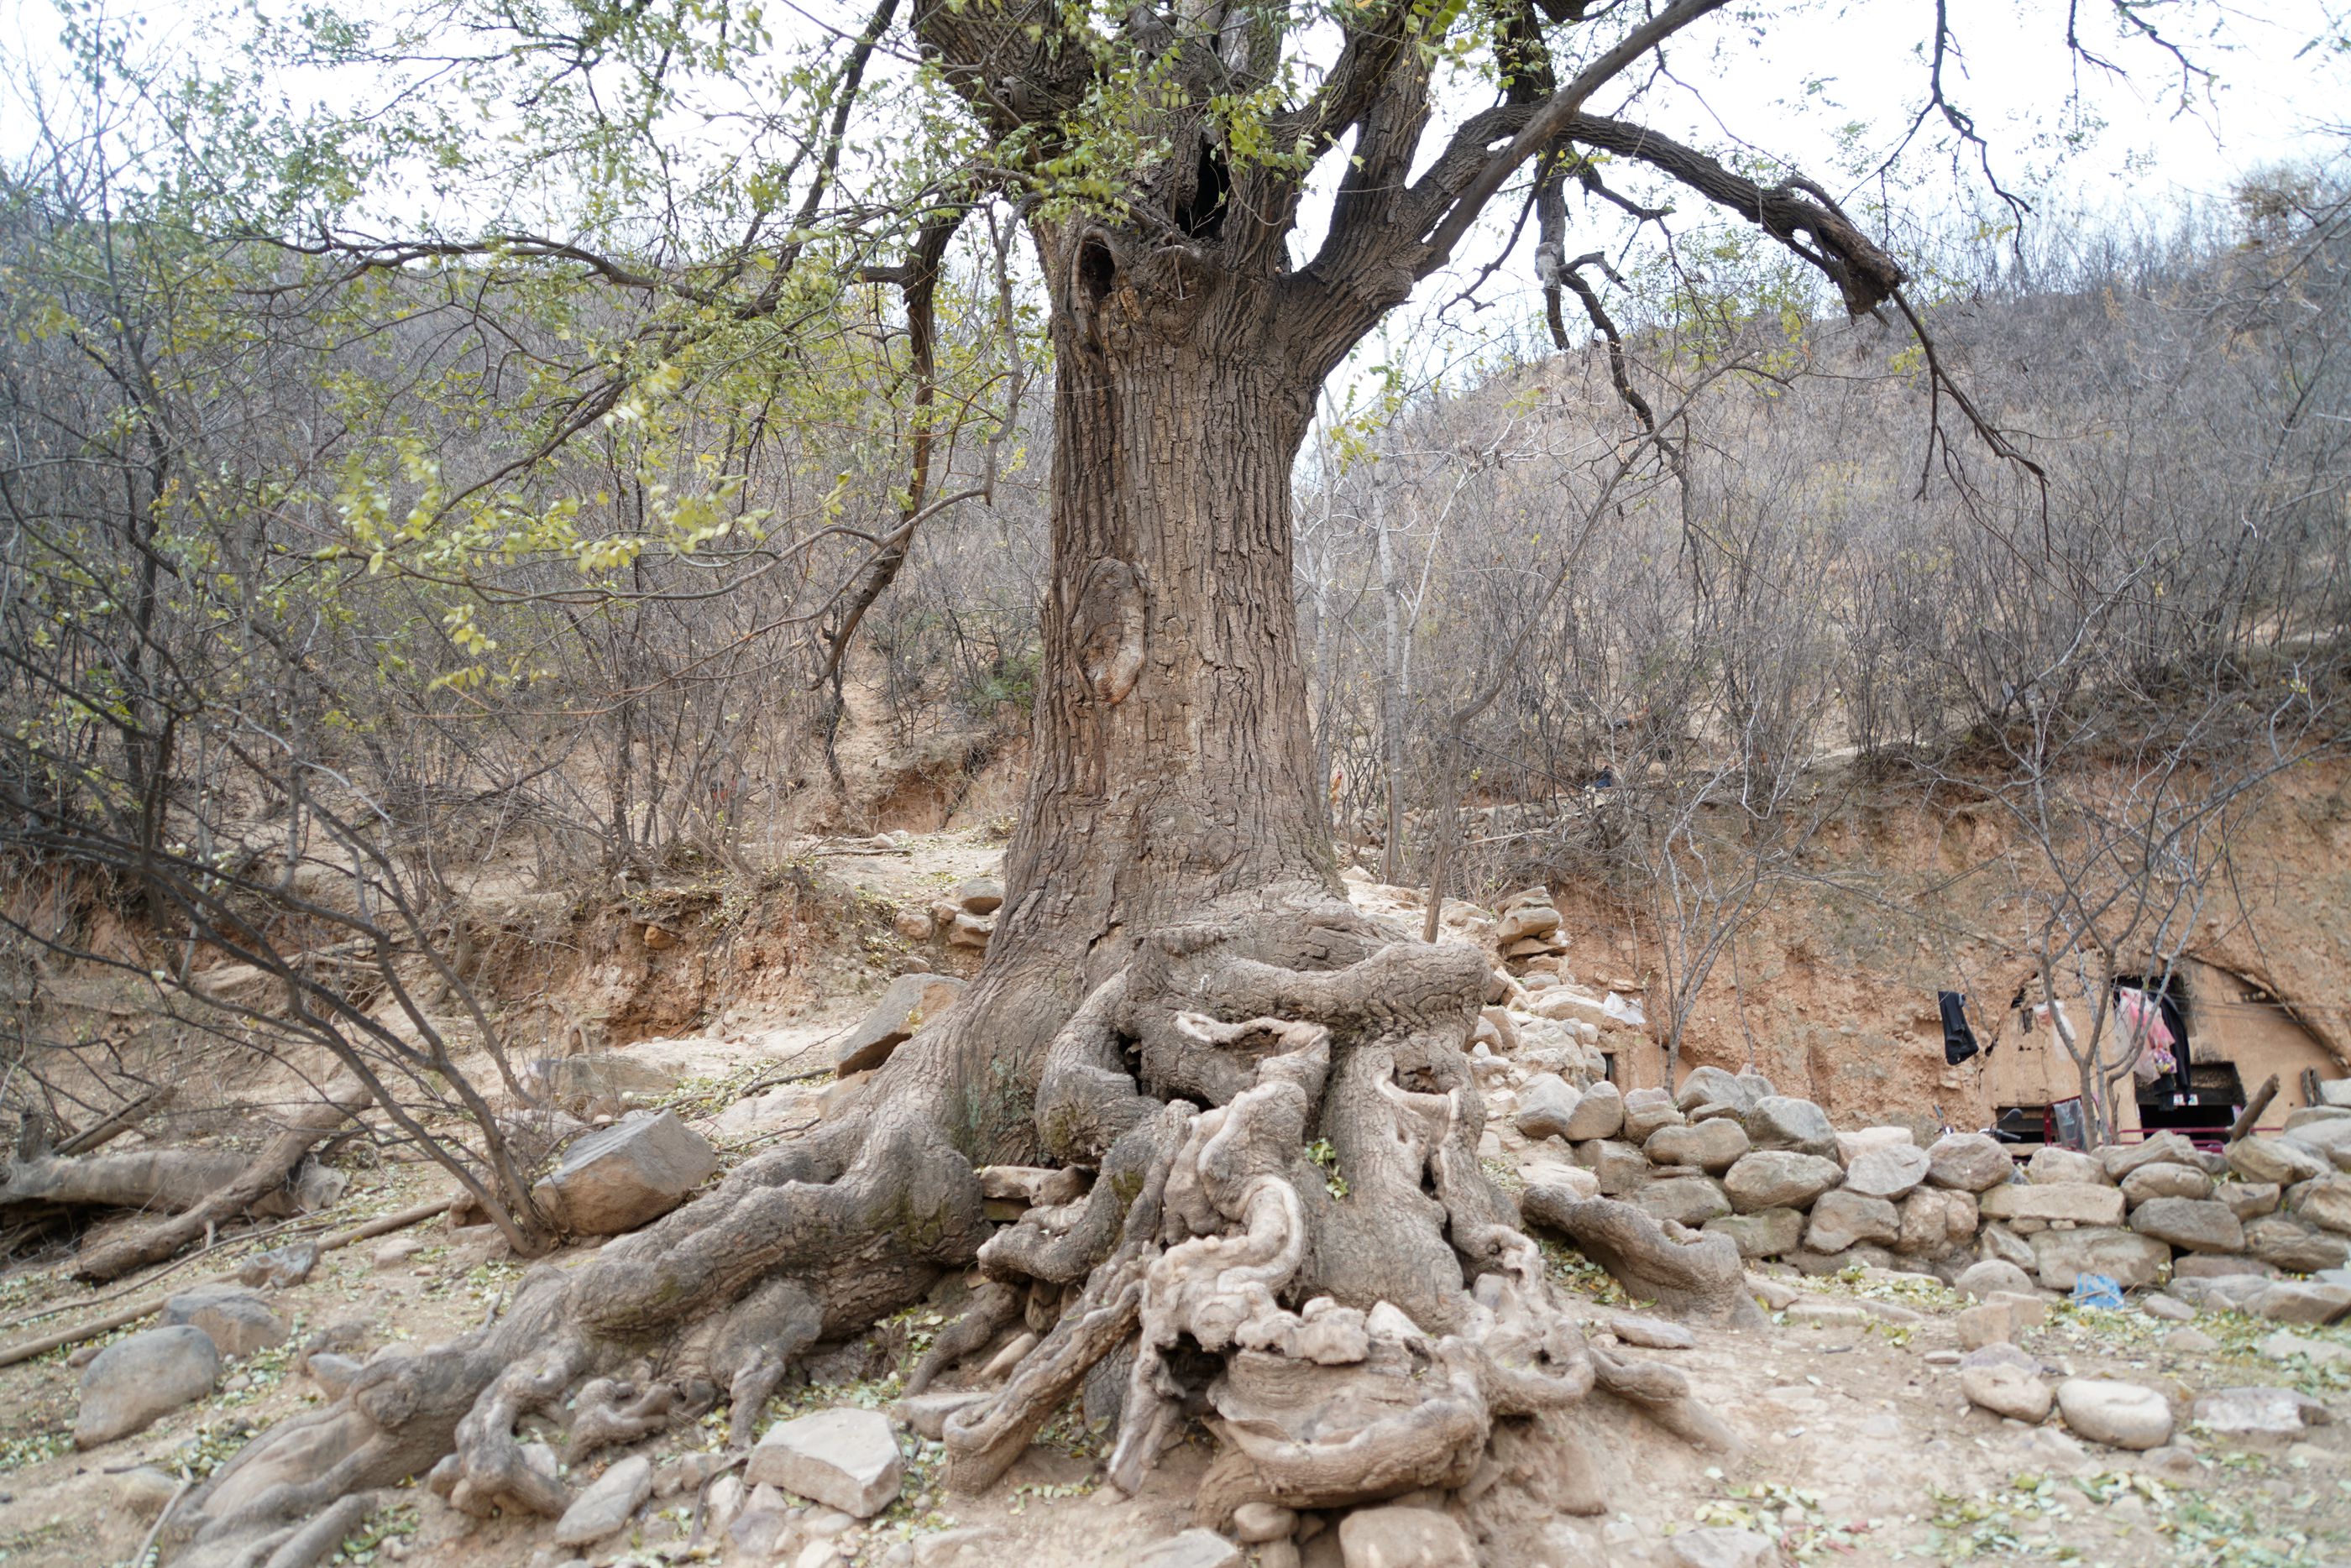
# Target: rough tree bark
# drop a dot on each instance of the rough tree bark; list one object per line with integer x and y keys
{"x": 1286, "y": 1221}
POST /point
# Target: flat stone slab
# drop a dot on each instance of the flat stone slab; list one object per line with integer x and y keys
{"x": 608, "y": 1505}
{"x": 629, "y": 1175}
{"x": 843, "y": 1458}
{"x": 134, "y": 1382}
{"x": 911, "y": 1001}
{"x": 1193, "y": 1549}
{"x": 238, "y": 1321}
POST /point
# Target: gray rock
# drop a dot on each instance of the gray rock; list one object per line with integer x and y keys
{"x": 2280, "y": 1415}
{"x": 2132, "y": 1260}
{"x": 2149, "y": 1182}
{"x": 2171, "y": 1309}
{"x": 2249, "y": 1200}
{"x": 2267, "y": 1157}
{"x": 1689, "y": 1200}
{"x": 1547, "y": 1106}
{"x": 2327, "y": 1204}
{"x": 332, "y": 1372}
{"x": 1779, "y": 1179}
{"x": 2007, "y": 1390}
{"x": 843, "y": 1458}
{"x": 2120, "y": 1415}
{"x": 281, "y": 1268}
{"x": 1711, "y": 1146}
{"x": 1893, "y": 1171}
{"x": 1969, "y": 1162}
{"x": 238, "y": 1321}
{"x": 1620, "y": 1168}
{"x": 1599, "y": 1112}
{"x": 1719, "y": 1546}
{"x": 1936, "y": 1220}
{"x": 2119, "y": 1160}
{"x": 628, "y": 1175}
{"x": 134, "y": 1382}
{"x": 1647, "y": 1110}
{"x": 1192, "y": 1549}
{"x": 2196, "y": 1225}
{"x": 2189, "y": 1341}
{"x": 1980, "y": 1279}
{"x": 1255, "y": 1523}
{"x": 1650, "y": 1332}
{"x": 1841, "y": 1219}
{"x": 1711, "y": 1085}
{"x": 2329, "y": 1139}
{"x": 1783, "y": 1122}
{"x": 2082, "y": 1202}
{"x": 2001, "y": 1242}
{"x": 979, "y": 895}
{"x": 606, "y": 1507}
{"x": 1765, "y": 1234}
{"x": 1403, "y": 1538}
{"x": 2051, "y": 1163}
{"x": 2299, "y": 1300}
{"x": 2294, "y": 1244}
{"x": 911, "y": 1001}
{"x": 2002, "y": 1354}
{"x": 2217, "y": 1265}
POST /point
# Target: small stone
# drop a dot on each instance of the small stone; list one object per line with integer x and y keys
{"x": 846, "y": 1459}
{"x": 2120, "y": 1415}
{"x": 1980, "y": 1279}
{"x": 2189, "y": 1341}
{"x": 1650, "y": 1332}
{"x": 1779, "y": 1179}
{"x": 2119, "y": 1160}
{"x": 608, "y": 1505}
{"x": 1890, "y": 1172}
{"x": 238, "y": 1321}
{"x": 1258, "y": 1522}
{"x": 2165, "y": 1180}
{"x": 1718, "y": 1546}
{"x": 396, "y": 1252}
{"x": 135, "y": 1381}
{"x": 2004, "y": 1390}
{"x": 2191, "y": 1224}
{"x": 1987, "y": 1323}
{"x": 1766, "y": 1234}
{"x": 1781, "y": 1122}
{"x": 1969, "y": 1162}
{"x": 2170, "y": 1308}
{"x": 1193, "y": 1549}
{"x": 1398, "y": 1537}
{"x": 281, "y": 1268}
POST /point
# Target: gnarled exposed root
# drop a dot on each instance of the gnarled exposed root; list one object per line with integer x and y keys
{"x": 1694, "y": 1275}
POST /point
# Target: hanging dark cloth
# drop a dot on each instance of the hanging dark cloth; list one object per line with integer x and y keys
{"x": 1959, "y": 1040}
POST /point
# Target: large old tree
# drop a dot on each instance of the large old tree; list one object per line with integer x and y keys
{"x": 1267, "y": 1091}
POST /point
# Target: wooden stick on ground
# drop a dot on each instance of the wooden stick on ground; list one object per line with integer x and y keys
{"x": 149, "y": 1306}
{"x": 2253, "y": 1108}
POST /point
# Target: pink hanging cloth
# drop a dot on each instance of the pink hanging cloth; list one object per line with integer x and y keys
{"x": 2141, "y": 1017}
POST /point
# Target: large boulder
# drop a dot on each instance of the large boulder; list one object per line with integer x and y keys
{"x": 2293, "y": 1243}
{"x": 2080, "y": 1202}
{"x": 1714, "y": 1145}
{"x": 2132, "y": 1260}
{"x": 2051, "y": 1163}
{"x": 2120, "y": 1159}
{"x": 1779, "y": 1179}
{"x": 2327, "y": 1204}
{"x": 1647, "y": 1110}
{"x": 1935, "y": 1220}
{"x": 1840, "y": 1219}
{"x": 2195, "y": 1225}
{"x": 2249, "y": 1200}
{"x": 628, "y": 1175}
{"x": 911, "y": 1001}
{"x": 237, "y": 1320}
{"x": 1689, "y": 1200}
{"x": 843, "y": 1458}
{"x": 1600, "y": 1113}
{"x": 1784, "y": 1122}
{"x": 1764, "y": 1234}
{"x": 1895, "y": 1172}
{"x": 2266, "y": 1158}
{"x": 1969, "y": 1162}
{"x": 1619, "y": 1169}
{"x": 2329, "y": 1139}
{"x": 135, "y": 1382}
{"x": 1712, "y": 1086}
{"x": 1547, "y": 1103}
{"x": 2165, "y": 1180}
{"x": 2120, "y": 1415}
